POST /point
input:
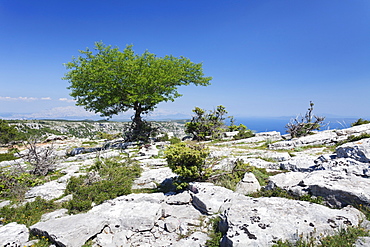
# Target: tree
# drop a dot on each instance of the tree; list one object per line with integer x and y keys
{"x": 111, "y": 81}
{"x": 302, "y": 126}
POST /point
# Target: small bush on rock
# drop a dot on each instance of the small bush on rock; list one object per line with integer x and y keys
{"x": 302, "y": 126}
{"x": 360, "y": 121}
{"x": 188, "y": 161}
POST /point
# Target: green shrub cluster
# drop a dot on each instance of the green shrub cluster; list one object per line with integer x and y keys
{"x": 205, "y": 125}
{"x": 28, "y": 214}
{"x": 13, "y": 184}
{"x": 353, "y": 138}
{"x": 188, "y": 161}
{"x": 229, "y": 180}
{"x": 360, "y": 121}
{"x": 9, "y": 133}
{"x": 107, "y": 179}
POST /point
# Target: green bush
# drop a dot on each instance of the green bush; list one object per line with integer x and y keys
{"x": 28, "y": 214}
{"x": 13, "y": 184}
{"x": 8, "y": 133}
{"x": 360, "y": 121}
{"x": 108, "y": 179}
{"x": 230, "y": 180}
{"x": 188, "y": 161}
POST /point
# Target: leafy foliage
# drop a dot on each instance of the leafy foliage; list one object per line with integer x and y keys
{"x": 360, "y": 121}
{"x": 188, "y": 161}
{"x": 302, "y": 126}
{"x": 212, "y": 124}
{"x": 112, "y": 81}
{"x": 8, "y": 133}
{"x": 107, "y": 179}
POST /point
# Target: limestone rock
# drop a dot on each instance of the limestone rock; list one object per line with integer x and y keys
{"x": 209, "y": 198}
{"x": 259, "y": 221}
{"x": 248, "y": 184}
{"x": 13, "y": 234}
{"x": 71, "y": 231}
{"x": 359, "y": 150}
{"x": 150, "y": 178}
{"x": 47, "y": 191}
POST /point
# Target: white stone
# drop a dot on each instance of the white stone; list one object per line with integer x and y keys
{"x": 13, "y": 234}
{"x": 248, "y": 184}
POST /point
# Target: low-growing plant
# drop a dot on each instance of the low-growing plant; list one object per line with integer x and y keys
{"x": 360, "y": 121}
{"x": 15, "y": 182}
{"x": 353, "y": 138}
{"x": 7, "y": 157}
{"x": 345, "y": 237}
{"x": 214, "y": 235}
{"x": 28, "y": 214}
{"x": 188, "y": 161}
{"x": 278, "y": 192}
{"x": 229, "y": 180}
{"x": 107, "y": 179}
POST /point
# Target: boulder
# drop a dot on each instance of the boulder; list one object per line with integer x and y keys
{"x": 13, "y": 234}
{"x": 261, "y": 221}
{"x": 71, "y": 231}
{"x": 208, "y": 198}
{"x": 359, "y": 150}
{"x": 248, "y": 184}
{"x": 151, "y": 178}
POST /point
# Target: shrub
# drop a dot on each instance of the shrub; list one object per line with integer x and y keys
{"x": 353, "y": 138}
{"x": 302, "y": 126}
{"x": 107, "y": 179}
{"x": 360, "y": 121}
{"x": 14, "y": 183}
{"x": 28, "y": 214}
{"x": 8, "y": 133}
{"x": 42, "y": 159}
{"x": 188, "y": 161}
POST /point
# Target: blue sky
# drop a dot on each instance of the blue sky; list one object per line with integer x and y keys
{"x": 267, "y": 58}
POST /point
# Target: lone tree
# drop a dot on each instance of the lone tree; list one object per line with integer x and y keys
{"x": 110, "y": 81}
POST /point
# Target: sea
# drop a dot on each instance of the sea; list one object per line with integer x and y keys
{"x": 265, "y": 124}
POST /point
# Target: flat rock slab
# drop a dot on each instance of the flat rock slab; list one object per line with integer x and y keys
{"x": 13, "y": 234}
{"x": 359, "y": 150}
{"x": 261, "y": 221}
{"x": 70, "y": 231}
{"x": 47, "y": 191}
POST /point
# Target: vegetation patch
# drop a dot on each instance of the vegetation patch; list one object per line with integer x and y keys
{"x": 106, "y": 180}
{"x": 214, "y": 234}
{"x": 353, "y": 138}
{"x": 28, "y": 214}
{"x": 345, "y": 237}
{"x": 278, "y": 192}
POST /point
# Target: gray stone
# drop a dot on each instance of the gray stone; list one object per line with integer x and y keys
{"x": 359, "y": 150}
{"x": 150, "y": 178}
{"x": 47, "y": 191}
{"x": 260, "y": 221}
{"x": 362, "y": 241}
{"x": 248, "y": 184}
{"x": 13, "y": 234}
{"x": 179, "y": 199}
{"x": 71, "y": 231}
{"x": 299, "y": 164}
{"x": 54, "y": 215}
{"x": 208, "y": 198}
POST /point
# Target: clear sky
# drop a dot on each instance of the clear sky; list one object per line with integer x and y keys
{"x": 266, "y": 57}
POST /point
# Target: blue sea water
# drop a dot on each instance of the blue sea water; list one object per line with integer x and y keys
{"x": 279, "y": 123}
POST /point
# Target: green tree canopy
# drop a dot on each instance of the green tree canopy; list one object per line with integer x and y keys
{"x": 109, "y": 81}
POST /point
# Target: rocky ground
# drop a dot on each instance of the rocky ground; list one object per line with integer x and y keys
{"x": 311, "y": 165}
